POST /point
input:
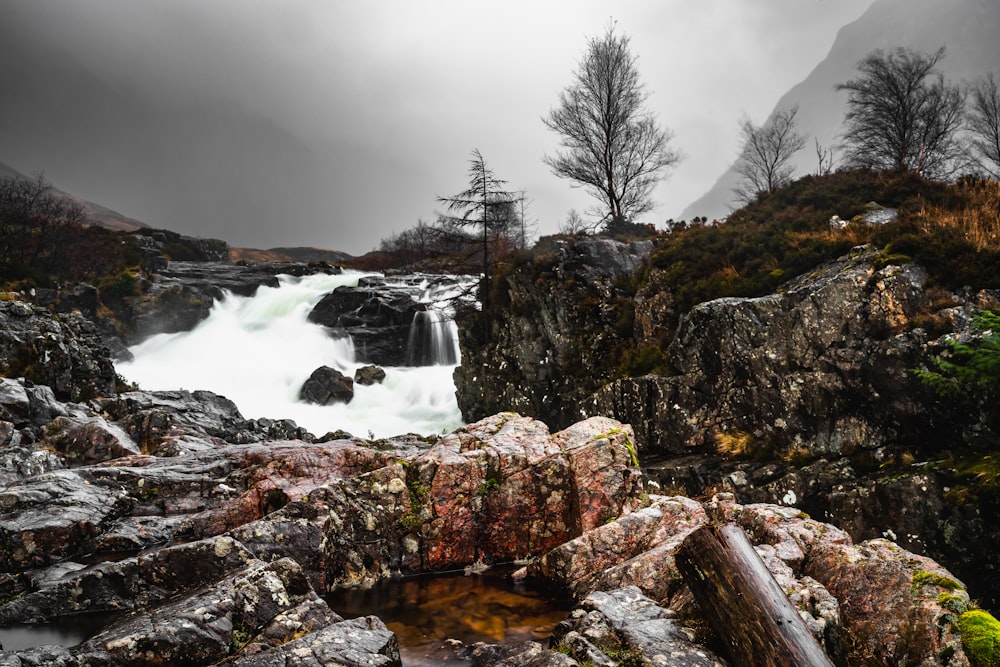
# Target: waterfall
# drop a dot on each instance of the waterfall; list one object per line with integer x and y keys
{"x": 433, "y": 339}
{"x": 257, "y": 351}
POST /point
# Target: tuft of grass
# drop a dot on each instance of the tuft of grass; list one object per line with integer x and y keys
{"x": 734, "y": 444}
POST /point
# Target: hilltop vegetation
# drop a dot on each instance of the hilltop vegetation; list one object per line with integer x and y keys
{"x": 951, "y": 229}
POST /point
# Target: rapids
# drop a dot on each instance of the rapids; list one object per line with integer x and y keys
{"x": 257, "y": 351}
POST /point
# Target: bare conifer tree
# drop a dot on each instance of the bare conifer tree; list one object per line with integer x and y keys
{"x": 612, "y": 145}
{"x": 485, "y": 203}
{"x": 902, "y": 116}
{"x": 765, "y": 159}
{"x": 984, "y": 125}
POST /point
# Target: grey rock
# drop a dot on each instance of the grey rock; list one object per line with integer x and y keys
{"x": 327, "y": 385}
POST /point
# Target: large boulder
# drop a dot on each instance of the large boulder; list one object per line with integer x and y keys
{"x": 376, "y": 317}
{"x": 327, "y": 385}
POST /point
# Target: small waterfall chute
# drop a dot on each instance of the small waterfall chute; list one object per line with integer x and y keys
{"x": 433, "y": 339}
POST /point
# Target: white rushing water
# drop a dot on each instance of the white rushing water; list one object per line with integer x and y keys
{"x": 257, "y": 351}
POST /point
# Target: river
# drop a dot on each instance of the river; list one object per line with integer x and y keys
{"x": 257, "y": 351}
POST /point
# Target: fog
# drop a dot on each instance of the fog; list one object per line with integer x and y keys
{"x": 333, "y": 124}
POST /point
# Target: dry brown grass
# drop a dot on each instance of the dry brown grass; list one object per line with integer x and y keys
{"x": 734, "y": 444}
{"x": 978, "y": 220}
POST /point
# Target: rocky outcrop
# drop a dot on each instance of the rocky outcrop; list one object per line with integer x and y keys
{"x": 824, "y": 367}
{"x": 61, "y": 351}
{"x": 805, "y": 397}
{"x": 827, "y": 577}
{"x": 214, "y": 540}
{"x": 187, "y": 514}
{"x": 559, "y": 337}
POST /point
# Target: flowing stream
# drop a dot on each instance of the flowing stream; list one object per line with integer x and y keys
{"x": 257, "y": 351}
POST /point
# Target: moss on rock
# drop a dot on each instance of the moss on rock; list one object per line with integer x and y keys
{"x": 980, "y": 638}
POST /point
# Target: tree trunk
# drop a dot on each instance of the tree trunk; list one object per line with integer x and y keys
{"x": 743, "y": 603}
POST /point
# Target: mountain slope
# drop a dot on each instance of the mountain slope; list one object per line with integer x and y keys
{"x": 967, "y": 28}
{"x": 95, "y": 213}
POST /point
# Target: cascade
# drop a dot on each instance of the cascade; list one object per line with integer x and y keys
{"x": 257, "y": 351}
{"x": 433, "y": 339}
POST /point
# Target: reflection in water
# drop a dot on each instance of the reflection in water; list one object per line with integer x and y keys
{"x": 431, "y": 614}
{"x": 68, "y": 631}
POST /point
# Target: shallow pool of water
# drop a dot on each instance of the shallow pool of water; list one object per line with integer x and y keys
{"x": 430, "y": 614}
{"x": 67, "y": 631}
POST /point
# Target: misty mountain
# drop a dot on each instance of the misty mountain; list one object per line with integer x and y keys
{"x": 95, "y": 213}
{"x": 211, "y": 166}
{"x": 966, "y": 28}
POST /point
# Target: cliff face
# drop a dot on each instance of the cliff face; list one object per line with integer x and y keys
{"x": 564, "y": 316}
{"x": 805, "y": 397}
{"x": 825, "y": 367}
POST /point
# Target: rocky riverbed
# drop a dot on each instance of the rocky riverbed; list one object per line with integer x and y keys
{"x": 211, "y": 538}
{"x": 220, "y": 535}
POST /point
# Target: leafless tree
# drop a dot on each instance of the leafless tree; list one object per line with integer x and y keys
{"x": 766, "y": 155}
{"x": 901, "y": 115}
{"x": 612, "y": 146}
{"x": 825, "y": 158}
{"x": 573, "y": 224}
{"x": 984, "y": 125}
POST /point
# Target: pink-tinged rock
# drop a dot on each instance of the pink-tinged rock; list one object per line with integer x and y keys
{"x": 504, "y": 488}
{"x": 91, "y": 440}
{"x": 890, "y": 602}
{"x": 636, "y": 549}
{"x": 792, "y": 534}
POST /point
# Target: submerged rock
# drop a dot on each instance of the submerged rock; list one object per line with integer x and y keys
{"x": 369, "y": 375}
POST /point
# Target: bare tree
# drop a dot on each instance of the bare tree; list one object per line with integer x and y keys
{"x": 486, "y": 204}
{"x": 765, "y": 159}
{"x": 984, "y": 125}
{"x": 573, "y": 224}
{"x": 901, "y": 115}
{"x": 612, "y": 146}
{"x": 528, "y": 226}
{"x": 825, "y": 158}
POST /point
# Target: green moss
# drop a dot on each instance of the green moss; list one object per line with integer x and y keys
{"x": 626, "y": 441}
{"x": 925, "y": 578}
{"x": 980, "y": 638}
{"x": 488, "y": 486}
{"x": 419, "y": 493}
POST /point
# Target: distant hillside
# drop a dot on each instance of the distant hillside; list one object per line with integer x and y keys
{"x": 95, "y": 213}
{"x": 967, "y": 28}
{"x": 288, "y": 255}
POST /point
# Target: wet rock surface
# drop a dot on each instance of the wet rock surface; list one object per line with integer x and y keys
{"x": 181, "y": 294}
{"x": 378, "y": 313}
{"x": 805, "y": 397}
{"x": 552, "y": 346}
{"x": 64, "y": 352}
{"x": 212, "y": 542}
{"x": 327, "y": 385}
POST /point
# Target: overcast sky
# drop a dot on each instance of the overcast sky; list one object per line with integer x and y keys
{"x": 332, "y": 123}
